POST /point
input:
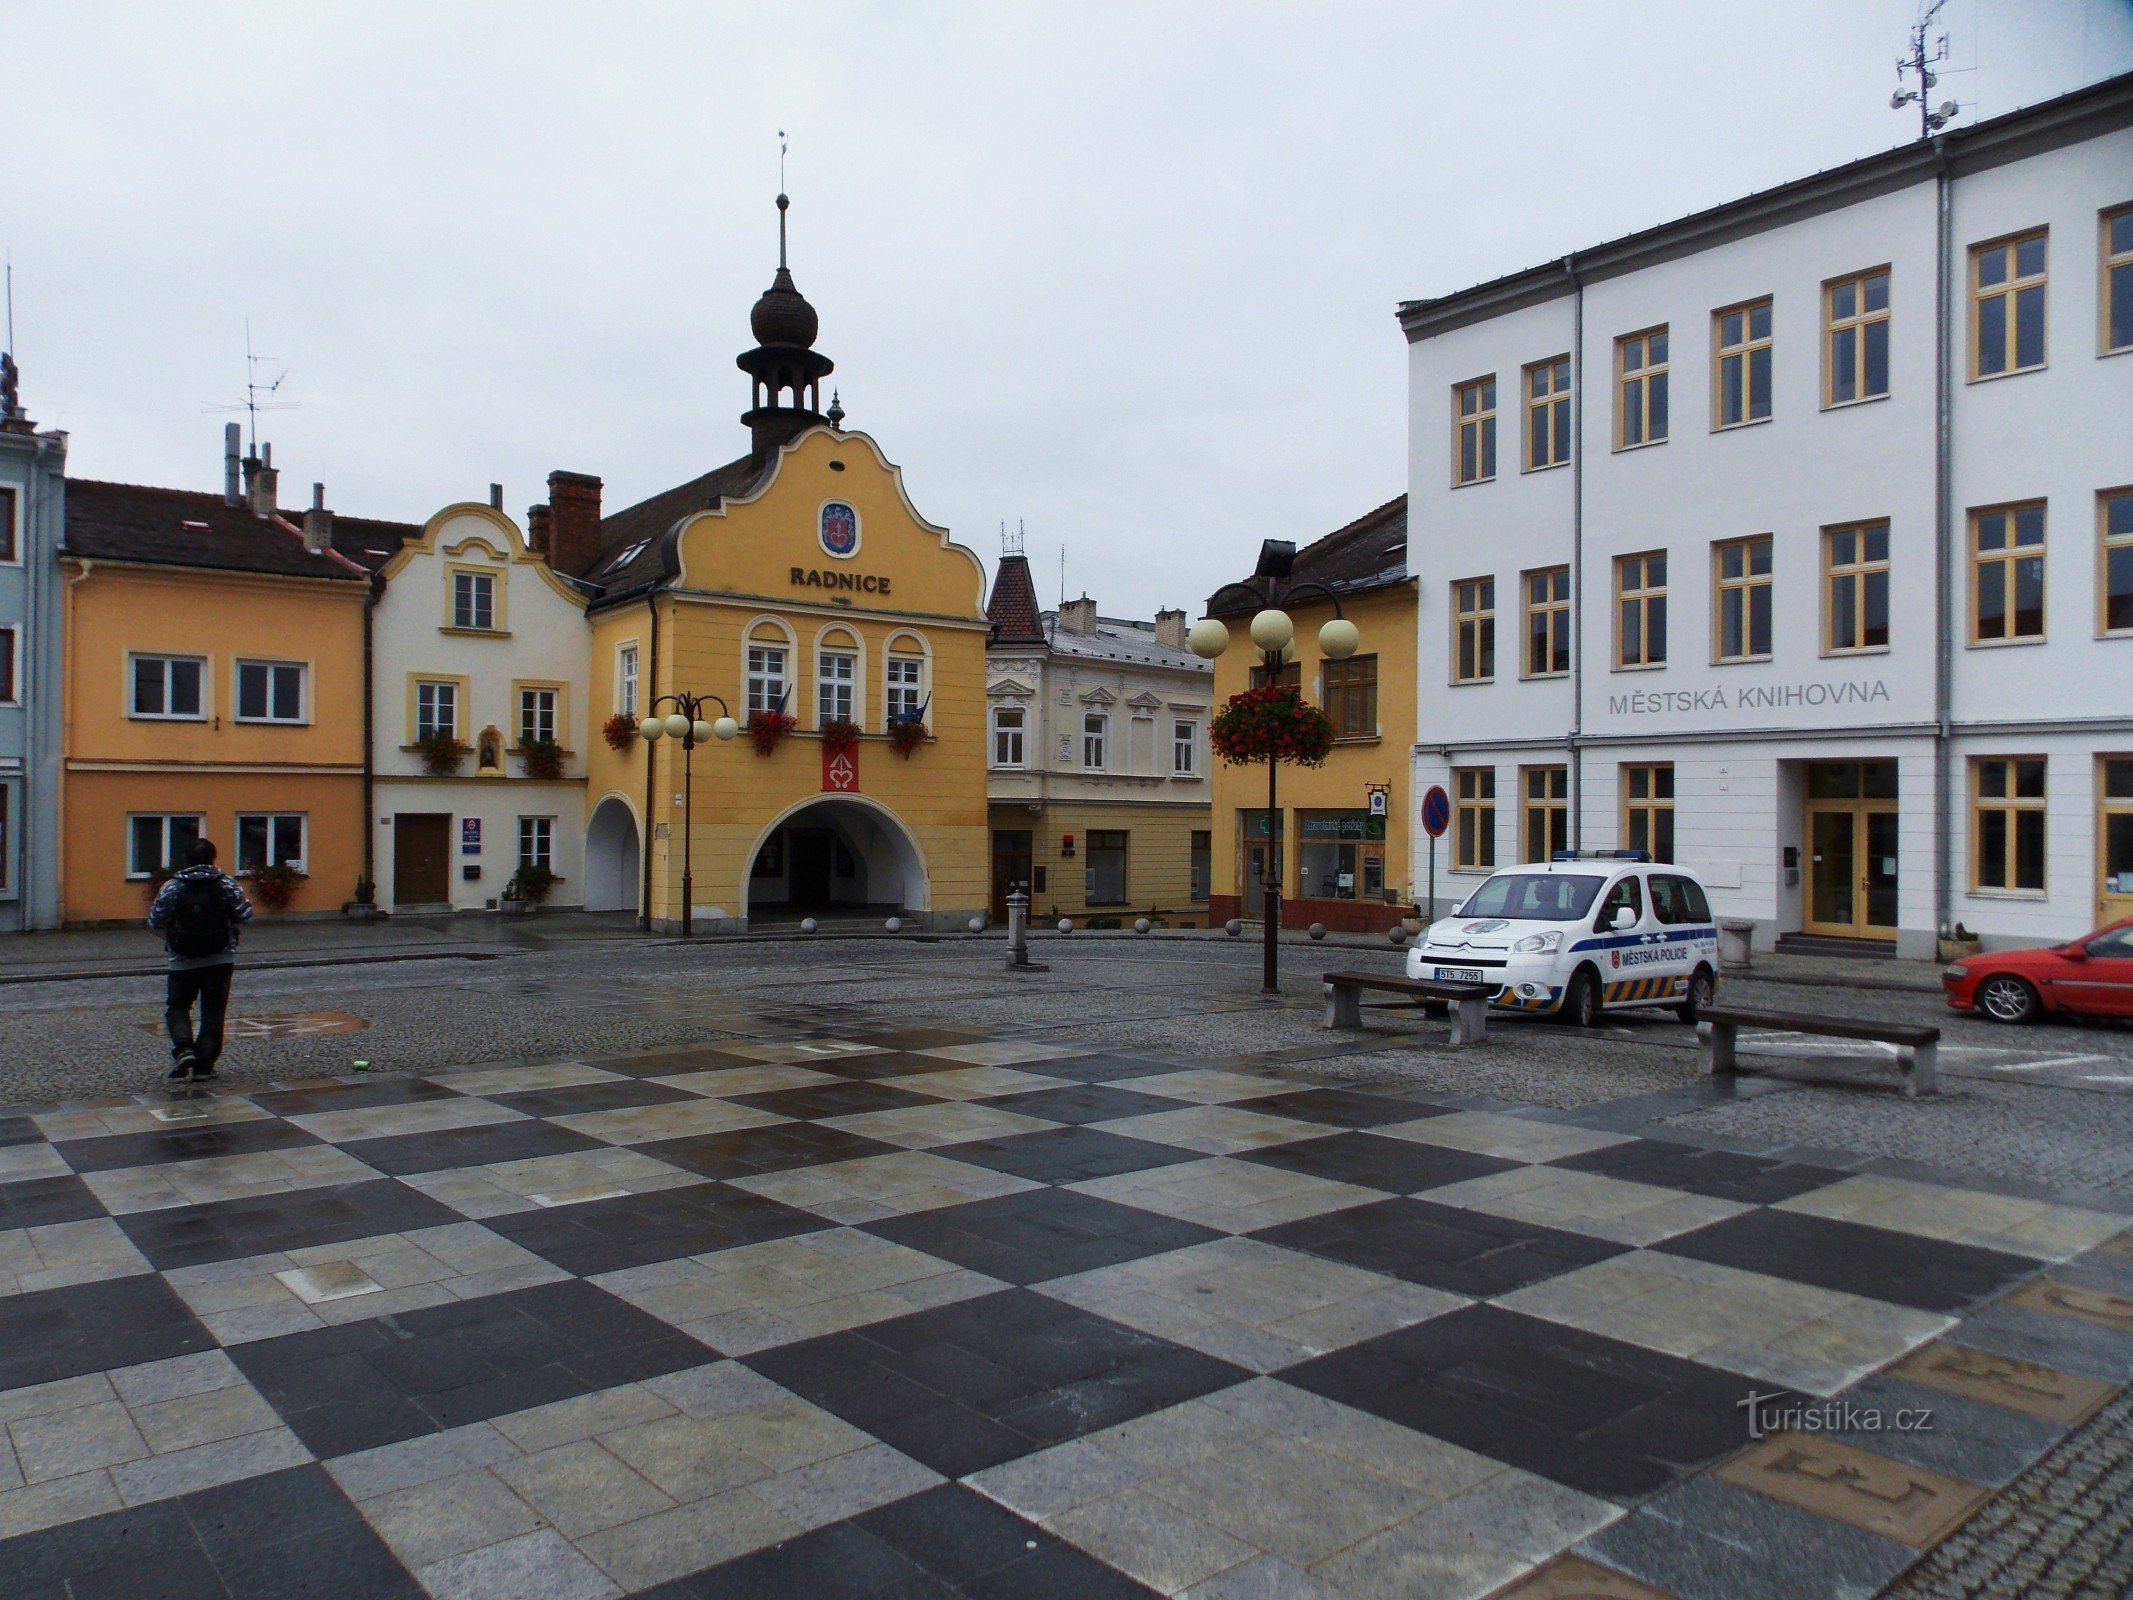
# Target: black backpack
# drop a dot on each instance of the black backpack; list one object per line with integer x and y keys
{"x": 199, "y": 922}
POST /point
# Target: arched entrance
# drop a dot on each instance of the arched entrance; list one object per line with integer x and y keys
{"x": 840, "y": 855}
{"x": 612, "y": 865}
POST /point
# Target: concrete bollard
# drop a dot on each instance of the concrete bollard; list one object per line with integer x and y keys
{"x": 1066, "y": 924}
{"x": 1141, "y": 924}
{"x": 894, "y": 924}
{"x": 809, "y": 924}
{"x": 1233, "y": 927}
{"x": 977, "y": 924}
{"x": 1317, "y": 930}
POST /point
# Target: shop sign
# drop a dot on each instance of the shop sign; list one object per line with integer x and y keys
{"x": 840, "y": 770}
{"x": 470, "y": 836}
{"x": 1348, "y": 825}
{"x": 1751, "y": 697}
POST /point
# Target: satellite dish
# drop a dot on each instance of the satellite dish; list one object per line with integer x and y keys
{"x": 1896, "y": 100}
{"x": 1948, "y": 109}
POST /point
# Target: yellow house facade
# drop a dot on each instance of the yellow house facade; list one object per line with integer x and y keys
{"x": 1340, "y": 835}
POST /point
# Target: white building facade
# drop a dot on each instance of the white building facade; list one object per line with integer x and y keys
{"x": 1794, "y": 541}
{"x": 475, "y": 639}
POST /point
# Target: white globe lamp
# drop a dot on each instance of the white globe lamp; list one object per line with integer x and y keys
{"x": 1339, "y": 639}
{"x": 725, "y": 728}
{"x": 1208, "y": 639}
{"x": 1272, "y": 629}
{"x": 677, "y": 726}
{"x": 700, "y": 732}
{"x": 652, "y": 728}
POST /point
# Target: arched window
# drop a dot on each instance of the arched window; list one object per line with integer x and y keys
{"x": 840, "y": 683}
{"x": 767, "y": 654}
{"x": 906, "y": 677}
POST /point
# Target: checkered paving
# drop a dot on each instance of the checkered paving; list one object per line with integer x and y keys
{"x": 908, "y": 1312}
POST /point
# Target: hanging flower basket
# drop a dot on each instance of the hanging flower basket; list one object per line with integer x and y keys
{"x": 442, "y": 755}
{"x": 618, "y": 730}
{"x": 906, "y": 736}
{"x": 840, "y": 735}
{"x": 1271, "y": 723}
{"x": 274, "y": 887}
{"x": 543, "y": 758}
{"x": 766, "y": 728}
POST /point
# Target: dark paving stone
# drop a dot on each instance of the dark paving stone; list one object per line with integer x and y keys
{"x": 839, "y": 1562}
{"x": 584, "y": 1097}
{"x": 1067, "y": 1155}
{"x": 1593, "y": 1413}
{"x": 49, "y": 1334}
{"x": 1965, "y": 1438}
{"x": 1398, "y": 1166}
{"x": 667, "y": 1063}
{"x": 181, "y": 1144}
{"x": 33, "y": 1202}
{"x": 369, "y": 1383}
{"x": 885, "y": 1064}
{"x": 1706, "y": 1537}
{"x": 913, "y": 1038}
{"x": 340, "y": 1563}
{"x": 1445, "y": 1247}
{"x": 233, "y": 1518}
{"x": 1931, "y": 1274}
{"x": 833, "y": 1100}
{"x": 1721, "y": 1174}
{"x": 1106, "y": 1068}
{"x": 403, "y": 1153}
{"x": 779, "y": 1147}
{"x": 968, "y": 1386}
{"x": 117, "y": 1539}
{"x": 350, "y": 1096}
{"x": 1085, "y": 1102}
{"x": 181, "y": 1574}
{"x": 1347, "y": 1108}
{"x": 635, "y": 1230}
{"x": 222, "y": 1230}
{"x": 1039, "y": 1234}
{"x": 982, "y": 1549}
{"x": 19, "y": 1130}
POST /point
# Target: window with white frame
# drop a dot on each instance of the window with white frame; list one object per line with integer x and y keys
{"x": 536, "y": 716}
{"x": 1184, "y": 748}
{"x": 270, "y": 839}
{"x": 474, "y": 600}
{"x": 1095, "y": 729}
{"x": 626, "y": 680}
{"x": 766, "y": 677}
{"x": 157, "y": 841}
{"x": 436, "y": 710}
{"x": 905, "y": 677}
{"x": 536, "y": 842}
{"x": 8, "y": 647}
{"x": 836, "y": 671}
{"x": 1007, "y": 730}
{"x": 10, "y": 549}
{"x": 168, "y": 687}
{"x": 270, "y": 691}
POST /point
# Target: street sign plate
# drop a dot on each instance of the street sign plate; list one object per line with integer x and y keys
{"x": 1436, "y": 811}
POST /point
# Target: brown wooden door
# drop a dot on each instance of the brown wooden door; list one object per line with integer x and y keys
{"x": 422, "y": 858}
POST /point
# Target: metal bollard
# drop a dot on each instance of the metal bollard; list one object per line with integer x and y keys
{"x": 1018, "y": 934}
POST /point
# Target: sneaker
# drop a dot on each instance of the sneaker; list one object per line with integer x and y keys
{"x": 187, "y": 1066}
{"x": 202, "y": 1073}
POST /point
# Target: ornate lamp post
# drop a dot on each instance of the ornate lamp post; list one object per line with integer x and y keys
{"x": 686, "y": 723}
{"x": 1273, "y": 634}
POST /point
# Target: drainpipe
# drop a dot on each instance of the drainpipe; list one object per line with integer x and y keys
{"x": 647, "y": 692}
{"x": 29, "y": 688}
{"x": 371, "y": 596}
{"x": 1577, "y": 553}
{"x": 1943, "y": 540}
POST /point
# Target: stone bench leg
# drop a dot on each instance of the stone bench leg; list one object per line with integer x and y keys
{"x": 1921, "y": 1068}
{"x": 1717, "y": 1040}
{"x": 1470, "y": 1021}
{"x": 1344, "y": 1006}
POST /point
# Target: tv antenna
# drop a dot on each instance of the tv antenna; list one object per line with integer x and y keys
{"x": 1919, "y": 64}
{"x": 258, "y": 396}
{"x": 1011, "y": 544}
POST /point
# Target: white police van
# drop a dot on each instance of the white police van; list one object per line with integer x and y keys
{"x": 1586, "y": 930}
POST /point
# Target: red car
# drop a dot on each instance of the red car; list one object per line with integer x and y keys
{"x": 2092, "y": 975}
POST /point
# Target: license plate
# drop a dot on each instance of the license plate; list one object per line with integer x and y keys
{"x": 1459, "y": 975}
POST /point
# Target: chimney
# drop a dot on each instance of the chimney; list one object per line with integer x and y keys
{"x": 318, "y": 523}
{"x": 232, "y": 465}
{"x": 574, "y": 536}
{"x": 264, "y": 480}
{"x": 1077, "y": 616}
{"x": 538, "y": 528}
{"x": 1170, "y": 629}
{"x": 496, "y": 497}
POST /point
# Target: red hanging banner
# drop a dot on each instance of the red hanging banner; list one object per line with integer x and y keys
{"x": 840, "y": 770}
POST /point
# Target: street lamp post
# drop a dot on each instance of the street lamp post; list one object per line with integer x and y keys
{"x": 686, "y": 723}
{"x": 1273, "y": 633}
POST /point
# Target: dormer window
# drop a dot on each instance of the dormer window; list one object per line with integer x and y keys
{"x": 626, "y": 557}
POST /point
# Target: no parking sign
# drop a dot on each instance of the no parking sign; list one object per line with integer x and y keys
{"x": 1436, "y": 817}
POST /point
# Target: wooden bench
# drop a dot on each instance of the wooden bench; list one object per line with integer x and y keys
{"x": 1469, "y": 1002}
{"x": 1917, "y": 1048}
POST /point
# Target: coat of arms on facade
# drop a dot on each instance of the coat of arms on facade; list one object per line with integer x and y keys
{"x": 840, "y": 529}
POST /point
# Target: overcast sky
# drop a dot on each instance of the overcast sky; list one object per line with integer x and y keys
{"x": 1123, "y": 273}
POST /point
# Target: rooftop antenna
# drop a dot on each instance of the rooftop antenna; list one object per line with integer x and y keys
{"x": 11, "y": 303}
{"x": 1010, "y": 543}
{"x": 1062, "y": 571}
{"x": 254, "y": 389}
{"x": 1919, "y": 64}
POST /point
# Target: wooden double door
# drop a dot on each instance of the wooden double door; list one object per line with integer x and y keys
{"x": 422, "y": 858}
{"x": 1851, "y": 849}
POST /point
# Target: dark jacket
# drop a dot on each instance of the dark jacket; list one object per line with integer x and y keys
{"x": 240, "y": 909}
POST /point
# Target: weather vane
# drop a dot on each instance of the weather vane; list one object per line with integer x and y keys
{"x": 781, "y": 161}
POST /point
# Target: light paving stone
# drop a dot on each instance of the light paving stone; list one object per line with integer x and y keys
{"x": 731, "y": 1081}
{"x": 1003, "y": 1052}
{"x": 796, "y": 1052}
{"x": 685, "y": 1457}
{"x": 1587, "y": 1203}
{"x": 1962, "y": 1216}
{"x": 1235, "y": 1196}
{"x": 1788, "y": 1333}
{"x": 1263, "y": 1578}
{"x": 1215, "y": 1130}
{"x": 196, "y": 1419}
{"x": 581, "y": 1488}
{"x": 977, "y": 1083}
{"x": 534, "y": 1566}
{"x": 448, "y": 1516}
{"x": 1152, "y": 1540}
{"x": 1511, "y": 1138}
{"x": 503, "y": 1187}
{"x": 64, "y": 1443}
{"x": 175, "y": 1378}
{"x": 416, "y": 1116}
{"x": 924, "y": 1127}
{"x": 521, "y": 1080}
{"x": 56, "y": 1254}
{"x": 146, "y": 1116}
{"x": 206, "y": 1466}
{"x": 873, "y": 1187}
{"x": 1472, "y": 1544}
{"x": 844, "y": 1486}
{"x": 716, "y": 1390}
{"x": 756, "y": 1296}
{"x": 369, "y": 1474}
{"x": 1210, "y": 1086}
{"x": 21, "y": 1161}
{"x": 47, "y": 1399}
{"x": 679, "y": 1119}
{"x": 47, "y": 1505}
{"x": 670, "y": 1544}
{"x": 582, "y": 1417}
{"x": 1253, "y": 1304}
{"x": 127, "y": 1190}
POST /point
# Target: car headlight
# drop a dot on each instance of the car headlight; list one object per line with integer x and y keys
{"x": 1956, "y": 974}
{"x": 1539, "y": 944}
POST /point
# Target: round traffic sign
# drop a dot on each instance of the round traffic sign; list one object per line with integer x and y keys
{"x": 1436, "y": 811}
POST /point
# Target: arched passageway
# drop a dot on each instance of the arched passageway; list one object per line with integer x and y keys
{"x": 839, "y": 855}
{"x": 613, "y": 867}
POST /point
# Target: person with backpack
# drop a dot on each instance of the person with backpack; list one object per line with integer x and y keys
{"x": 198, "y": 912}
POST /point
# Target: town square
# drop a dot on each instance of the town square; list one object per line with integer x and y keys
{"x": 745, "y": 948}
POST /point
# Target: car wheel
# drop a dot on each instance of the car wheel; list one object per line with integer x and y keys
{"x": 2006, "y": 998}
{"x": 1702, "y": 990}
{"x": 1581, "y": 1001}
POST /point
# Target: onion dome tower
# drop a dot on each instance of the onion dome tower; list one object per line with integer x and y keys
{"x": 786, "y": 369}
